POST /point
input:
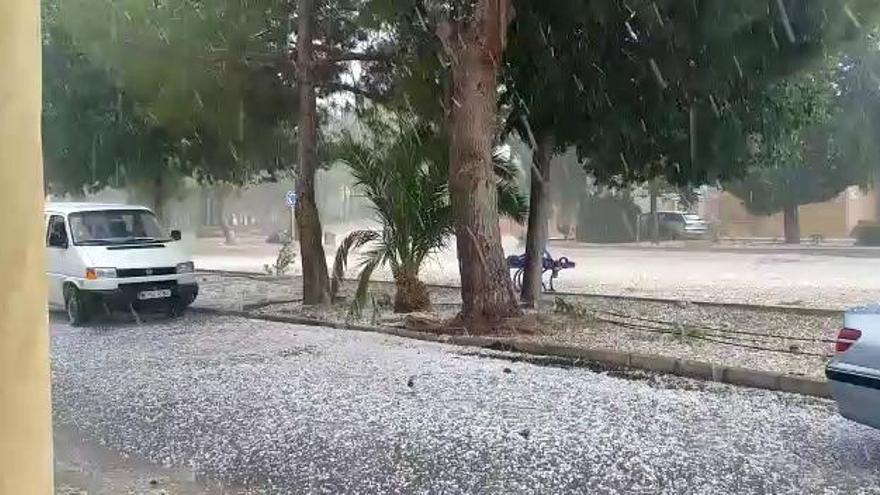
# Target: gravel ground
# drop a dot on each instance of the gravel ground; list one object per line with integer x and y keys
{"x": 774, "y": 276}
{"x": 690, "y": 331}
{"x": 697, "y": 332}
{"x": 292, "y": 409}
{"x": 234, "y": 292}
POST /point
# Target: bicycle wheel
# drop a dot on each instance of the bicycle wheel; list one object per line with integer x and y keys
{"x": 518, "y": 279}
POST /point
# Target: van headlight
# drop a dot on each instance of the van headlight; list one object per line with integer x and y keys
{"x": 96, "y": 273}
{"x": 187, "y": 267}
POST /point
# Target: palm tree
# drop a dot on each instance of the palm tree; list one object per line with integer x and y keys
{"x": 403, "y": 171}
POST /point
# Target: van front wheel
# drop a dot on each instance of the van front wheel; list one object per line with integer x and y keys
{"x": 77, "y": 309}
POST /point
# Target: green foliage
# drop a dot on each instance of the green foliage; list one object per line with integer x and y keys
{"x": 369, "y": 262}
{"x": 286, "y": 257}
{"x": 209, "y": 78}
{"x": 805, "y": 152}
{"x": 214, "y": 79}
{"x": 136, "y": 89}
{"x": 867, "y": 234}
{"x": 94, "y": 133}
{"x": 512, "y": 202}
{"x": 402, "y": 167}
{"x": 402, "y": 172}
{"x": 648, "y": 87}
{"x": 540, "y": 92}
{"x": 858, "y": 124}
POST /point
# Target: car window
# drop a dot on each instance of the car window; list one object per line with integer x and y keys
{"x": 115, "y": 226}
{"x": 56, "y": 232}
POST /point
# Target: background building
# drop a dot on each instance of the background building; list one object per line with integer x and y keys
{"x": 833, "y": 219}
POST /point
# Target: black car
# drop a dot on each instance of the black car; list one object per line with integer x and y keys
{"x": 674, "y": 225}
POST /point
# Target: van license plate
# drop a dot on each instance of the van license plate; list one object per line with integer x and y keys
{"x": 154, "y": 294}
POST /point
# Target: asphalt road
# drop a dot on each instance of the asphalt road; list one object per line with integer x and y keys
{"x": 273, "y": 408}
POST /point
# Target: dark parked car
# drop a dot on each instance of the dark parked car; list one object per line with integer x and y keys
{"x": 675, "y": 225}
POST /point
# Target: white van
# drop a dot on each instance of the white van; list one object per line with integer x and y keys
{"x": 114, "y": 256}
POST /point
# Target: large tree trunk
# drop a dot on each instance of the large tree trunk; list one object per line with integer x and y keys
{"x": 475, "y": 47}
{"x": 792, "y": 224}
{"x": 158, "y": 199}
{"x": 654, "y": 221}
{"x": 220, "y": 196}
{"x": 411, "y": 293}
{"x": 539, "y": 206}
{"x": 316, "y": 283}
{"x": 876, "y": 193}
{"x": 204, "y": 213}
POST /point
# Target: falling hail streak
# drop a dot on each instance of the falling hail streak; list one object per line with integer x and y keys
{"x": 631, "y": 31}
{"x": 625, "y": 163}
{"x": 739, "y": 68}
{"x": 656, "y": 69}
{"x": 422, "y": 20}
{"x": 714, "y": 106}
{"x": 578, "y": 82}
{"x": 852, "y": 17}
{"x": 785, "y": 22}
{"x": 657, "y": 13}
{"x": 240, "y": 128}
{"x": 692, "y": 117}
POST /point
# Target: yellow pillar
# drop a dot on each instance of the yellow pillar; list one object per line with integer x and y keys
{"x": 25, "y": 419}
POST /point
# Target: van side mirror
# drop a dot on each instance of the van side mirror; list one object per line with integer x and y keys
{"x": 175, "y": 235}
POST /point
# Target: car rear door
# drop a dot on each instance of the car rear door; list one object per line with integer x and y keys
{"x": 57, "y": 255}
{"x": 854, "y": 374}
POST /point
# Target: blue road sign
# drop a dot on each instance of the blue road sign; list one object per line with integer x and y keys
{"x": 290, "y": 197}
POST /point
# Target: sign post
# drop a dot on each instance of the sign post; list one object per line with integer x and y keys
{"x": 290, "y": 198}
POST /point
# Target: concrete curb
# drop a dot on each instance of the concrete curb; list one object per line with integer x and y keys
{"x": 578, "y": 356}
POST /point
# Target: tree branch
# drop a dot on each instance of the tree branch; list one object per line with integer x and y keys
{"x": 335, "y": 87}
{"x": 359, "y": 56}
{"x": 332, "y": 54}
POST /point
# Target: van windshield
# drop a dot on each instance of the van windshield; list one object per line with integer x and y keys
{"x": 115, "y": 227}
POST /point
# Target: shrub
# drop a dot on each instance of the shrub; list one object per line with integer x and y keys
{"x": 285, "y": 258}
{"x": 867, "y": 233}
